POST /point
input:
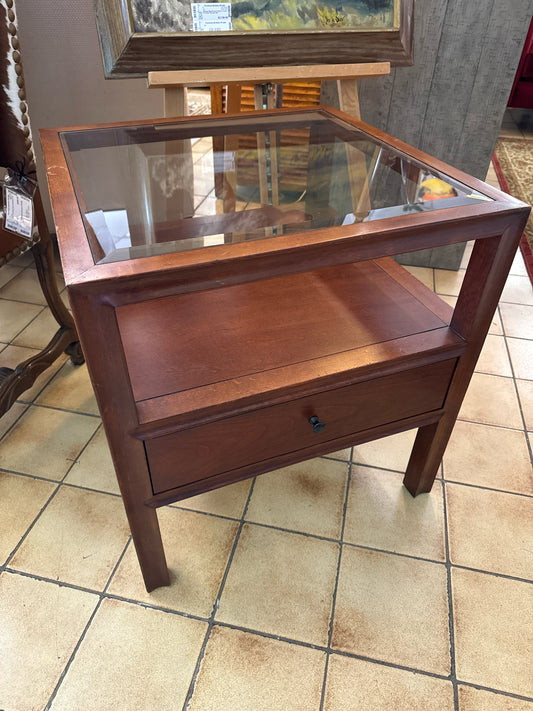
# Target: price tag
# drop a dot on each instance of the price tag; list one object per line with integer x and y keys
{"x": 211, "y": 16}
{"x": 18, "y": 212}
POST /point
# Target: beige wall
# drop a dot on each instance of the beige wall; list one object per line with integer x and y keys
{"x": 64, "y": 75}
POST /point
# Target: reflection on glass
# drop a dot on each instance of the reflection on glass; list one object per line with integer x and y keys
{"x": 154, "y": 189}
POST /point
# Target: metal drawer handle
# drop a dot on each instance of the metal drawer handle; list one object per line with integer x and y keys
{"x": 317, "y": 425}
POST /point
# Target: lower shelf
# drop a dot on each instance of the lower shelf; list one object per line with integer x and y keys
{"x": 209, "y": 352}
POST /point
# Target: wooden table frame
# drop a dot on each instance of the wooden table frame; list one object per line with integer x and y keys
{"x": 101, "y": 294}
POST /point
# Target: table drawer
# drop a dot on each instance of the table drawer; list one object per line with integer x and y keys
{"x": 203, "y": 451}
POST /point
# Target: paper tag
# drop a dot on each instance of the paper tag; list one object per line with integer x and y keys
{"x": 18, "y": 212}
{"x": 211, "y": 16}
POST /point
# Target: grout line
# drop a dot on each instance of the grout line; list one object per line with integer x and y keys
{"x": 32, "y": 525}
{"x": 102, "y": 596}
{"x": 336, "y": 585}
{"x": 16, "y": 421}
{"x": 488, "y": 488}
{"x": 451, "y": 622}
{"x": 211, "y": 621}
{"x": 72, "y": 656}
{"x": 492, "y": 573}
{"x": 499, "y": 692}
{"x": 529, "y": 445}
{"x": 63, "y": 409}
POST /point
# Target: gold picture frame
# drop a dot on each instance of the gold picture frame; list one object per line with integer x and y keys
{"x": 138, "y": 36}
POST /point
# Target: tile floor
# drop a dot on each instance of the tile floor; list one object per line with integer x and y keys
{"x": 321, "y": 586}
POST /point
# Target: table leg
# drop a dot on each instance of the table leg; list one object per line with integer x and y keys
{"x": 148, "y": 544}
{"x": 426, "y": 457}
{"x": 483, "y": 283}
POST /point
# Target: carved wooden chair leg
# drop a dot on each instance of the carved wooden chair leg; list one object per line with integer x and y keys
{"x": 13, "y": 382}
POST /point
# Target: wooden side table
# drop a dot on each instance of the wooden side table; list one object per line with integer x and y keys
{"x": 228, "y": 344}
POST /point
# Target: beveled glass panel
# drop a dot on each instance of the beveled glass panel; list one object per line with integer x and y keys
{"x": 154, "y": 189}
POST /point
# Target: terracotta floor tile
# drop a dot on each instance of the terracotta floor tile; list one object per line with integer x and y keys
{"x": 242, "y": 671}
{"x": 521, "y": 351}
{"x": 39, "y": 332}
{"x": 467, "y": 253}
{"x": 7, "y": 273}
{"x": 21, "y": 499}
{"x": 525, "y": 395}
{"x": 493, "y": 631}
{"x": 472, "y": 699}
{"x": 70, "y": 389}
{"x": 392, "y": 608}
{"x": 508, "y": 131}
{"x": 226, "y": 501}
{"x": 448, "y": 282}
{"x": 490, "y": 530}
{"x": 387, "y": 453}
{"x": 197, "y": 549}
{"x": 45, "y": 442}
{"x": 14, "y": 317}
{"x": 518, "y": 290}
{"x": 518, "y": 266}
{"x": 9, "y": 418}
{"x": 423, "y": 274}
{"x": 491, "y": 400}
{"x": 356, "y": 684}
{"x": 496, "y": 327}
{"x": 94, "y": 467}
{"x": 25, "y": 287}
{"x": 494, "y": 359}
{"x": 23, "y": 260}
{"x": 77, "y": 539}
{"x": 492, "y": 457}
{"x": 41, "y": 625}
{"x": 381, "y": 513}
{"x": 517, "y": 320}
{"x": 305, "y": 497}
{"x": 344, "y": 454}
{"x": 132, "y": 657}
{"x": 280, "y": 583}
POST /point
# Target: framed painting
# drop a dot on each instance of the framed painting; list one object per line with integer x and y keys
{"x": 138, "y": 36}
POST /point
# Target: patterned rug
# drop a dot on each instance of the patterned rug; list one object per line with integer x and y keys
{"x": 513, "y": 162}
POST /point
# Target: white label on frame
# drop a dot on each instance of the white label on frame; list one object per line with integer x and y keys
{"x": 211, "y": 16}
{"x": 18, "y": 216}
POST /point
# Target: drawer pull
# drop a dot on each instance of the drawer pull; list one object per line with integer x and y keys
{"x": 317, "y": 425}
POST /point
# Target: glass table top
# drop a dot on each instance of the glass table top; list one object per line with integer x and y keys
{"x": 158, "y": 188}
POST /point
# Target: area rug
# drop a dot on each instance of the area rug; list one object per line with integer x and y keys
{"x": 513, "y": 162}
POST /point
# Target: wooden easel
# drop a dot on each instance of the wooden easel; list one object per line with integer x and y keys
{"x": 176, "y": 83}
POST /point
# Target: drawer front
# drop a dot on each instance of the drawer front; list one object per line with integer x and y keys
{"x": 206, "y": 450}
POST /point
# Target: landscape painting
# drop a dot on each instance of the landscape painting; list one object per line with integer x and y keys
{"x": 271, "y": 15}
{"x": 141, "y": 36}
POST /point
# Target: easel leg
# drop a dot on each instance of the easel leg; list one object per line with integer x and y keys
{"x": 349, "y": 97}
